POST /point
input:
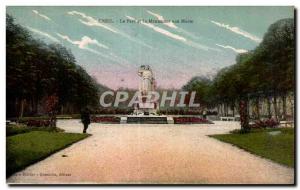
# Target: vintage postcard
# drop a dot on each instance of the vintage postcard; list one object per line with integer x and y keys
{"x": 150, "y": 95}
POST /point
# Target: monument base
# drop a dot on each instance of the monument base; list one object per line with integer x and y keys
{"x": 147, "y": 120}
{"x": 150, "y": 119}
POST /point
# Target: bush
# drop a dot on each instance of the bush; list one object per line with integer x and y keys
{"x": 268, "y": 123}
{"x": 125, "y": 111}
{"x": 14, "y": 130}
{"x": 239, "y": 131}
{"x": 40, "y": 123}
{"x": 191, "y": 120}
{"x": 105, "y": 119}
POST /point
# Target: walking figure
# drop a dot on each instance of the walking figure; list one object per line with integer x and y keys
{"x": 204, "y": 114}
{"x": 85, "y": 119}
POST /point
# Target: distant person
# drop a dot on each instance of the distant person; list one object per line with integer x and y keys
{"x": 85, "y": 119}
{"x": 204, "y": 114}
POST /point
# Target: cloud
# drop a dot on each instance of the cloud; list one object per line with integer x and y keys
{"x": 85, "y": 41}
{"x": 173, "y": 36}
{"x": 238, "y": 31}
{"x": 232, "y": 48}
{"x": 41, "y": 15}
{"x": 42, "y": 33}
{"x": 90, "y": 21}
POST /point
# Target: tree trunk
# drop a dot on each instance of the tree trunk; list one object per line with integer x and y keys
{"x": 275, "y": 107}
{"x": 292, "y": 106}
{"x": 36, "y": 104}
{"x": 222, "y": 109}
{"x": 248, "y": 107}
{"x": 31, "y": 102}
{"x": 16, "y": 107}
{"x": 62, "y": 110}
{"x": 269, "y": 108}
{"x": 22, "y": 108}
{"x": 283, "y": 107}
{"x": 243, "y": 107}
{"x": 226, "y": 109}
{"x": 257, "y": 108}
{"x": 52, "y": 120}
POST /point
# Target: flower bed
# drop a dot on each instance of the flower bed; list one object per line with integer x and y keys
{"x": 37, "y": 123}
{"x": 105, "y": 119}
{"x": 190, "y": 120}
{"x": 268, "y": 123}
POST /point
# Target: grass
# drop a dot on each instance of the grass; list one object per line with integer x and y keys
{"x": 25, "y": 149}
{"x": 73, "y": 116}
{"x": 279, "y": 148}
{"x": 44, "y": 117}
{"x": 19, "y": 129}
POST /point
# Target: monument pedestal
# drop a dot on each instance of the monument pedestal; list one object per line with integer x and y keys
{"x": 170, "y": 120}
{"x": 123, "y": 120}
{"x": 147, "y": 120}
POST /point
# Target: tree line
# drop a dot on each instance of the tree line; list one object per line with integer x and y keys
{"x": 266, "y": 74}
{"x": 36, "y": 71}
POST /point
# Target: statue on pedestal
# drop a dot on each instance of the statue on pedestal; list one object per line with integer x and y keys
{"x": 147, "y": 104}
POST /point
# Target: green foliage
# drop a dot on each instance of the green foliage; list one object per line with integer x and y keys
{"x": 202, "y": 87}
{"x": 35, "y": 70}
{"x": 267, "y": 71}
{"x": 28, "y": 148}
{"x": 279, "y": 147}
{"x": 269, "y": 67}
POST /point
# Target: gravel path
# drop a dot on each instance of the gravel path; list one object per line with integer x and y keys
{"x": 153, "y": 154}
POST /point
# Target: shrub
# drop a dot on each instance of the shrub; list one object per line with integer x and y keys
{"x": 180, "y": 120}
{"x": 37, "y": 123}
{"x": 105, "y": 119}
{"x": 239, "y": 131}
{"x": 268, "y": 123}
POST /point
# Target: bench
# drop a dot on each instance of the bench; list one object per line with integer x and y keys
{"x": 227, "y": 118}
{"x": 286, "y": 123}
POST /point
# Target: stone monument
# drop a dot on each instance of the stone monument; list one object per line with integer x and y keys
{"x": 147, "y": 104}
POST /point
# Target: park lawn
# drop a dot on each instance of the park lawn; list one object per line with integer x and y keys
{"x": 19, "y": 128}
{"x": 279, "y": 148}
{"x": 25, "y": 149}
